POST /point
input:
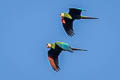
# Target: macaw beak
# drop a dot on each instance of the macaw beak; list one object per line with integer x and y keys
{"x": 62, "y": 15}
{"x": 48, "y": 45}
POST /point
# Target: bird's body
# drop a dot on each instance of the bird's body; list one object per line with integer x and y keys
{"x": 56, "y": 49}
{"x": 68, "y": 18}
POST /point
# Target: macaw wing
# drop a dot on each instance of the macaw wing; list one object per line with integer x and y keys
{"x": 74, "y": 11}
{"x": 64, "y": 46}
{"x": 53, "y": 59}
{"x": 68, "y": 26}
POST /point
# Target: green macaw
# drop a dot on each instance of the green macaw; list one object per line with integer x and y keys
{"x": 68, "y": 18}
{"x": 56, "y": 49}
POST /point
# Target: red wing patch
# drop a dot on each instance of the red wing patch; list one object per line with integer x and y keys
{"x": 63, "y": 21}
{"x": 52, "y": 62}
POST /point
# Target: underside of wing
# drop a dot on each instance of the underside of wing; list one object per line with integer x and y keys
{"x": 53, "y": 59}
{"x": 68, "y": 26}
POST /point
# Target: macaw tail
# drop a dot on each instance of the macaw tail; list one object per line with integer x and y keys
{"x": 86, "y": 17}
{"x": 79, "y": 49}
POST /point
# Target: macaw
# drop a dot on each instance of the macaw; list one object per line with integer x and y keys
{"x": 68, "y": 18}
{"x": 55, "y": 49}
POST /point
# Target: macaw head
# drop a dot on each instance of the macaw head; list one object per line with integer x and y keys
{"x": 62, "y": 15}
{"x": 48, "y": 45}
{"x": 65, "y": 15}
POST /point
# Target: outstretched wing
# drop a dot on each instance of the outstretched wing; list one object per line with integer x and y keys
{"x": 73, "y": 12}
{"x": 53, "y": 58}
{"x": 68, "y": 26}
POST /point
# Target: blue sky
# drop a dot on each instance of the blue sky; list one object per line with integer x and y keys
{"x": 27, "y": 25}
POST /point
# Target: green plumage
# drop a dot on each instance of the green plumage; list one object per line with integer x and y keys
{"x": 66, "y": 15}
{"x": 72, "y": 15}
{"x": 64, "y": 46}
{"x": 53, "y": 45}
{"x": 56, "y": 49}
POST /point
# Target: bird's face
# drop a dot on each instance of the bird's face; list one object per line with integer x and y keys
{"x": 48, "y": 45}
{"x": 62, "y": 15}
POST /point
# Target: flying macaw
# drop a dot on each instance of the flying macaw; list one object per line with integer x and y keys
{"x": 55, "y": 49}
{"x": 68, "y": 18}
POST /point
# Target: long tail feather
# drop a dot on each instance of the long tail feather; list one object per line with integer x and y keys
{"x": 79, "y": 49}
{"x": 86, "y": 17}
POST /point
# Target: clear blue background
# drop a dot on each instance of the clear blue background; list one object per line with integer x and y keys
{"x": 27, "y": 25}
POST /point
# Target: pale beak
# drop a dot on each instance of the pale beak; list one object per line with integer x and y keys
{"x": 62, "y": 15}
{"x": 48, "y": 45}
